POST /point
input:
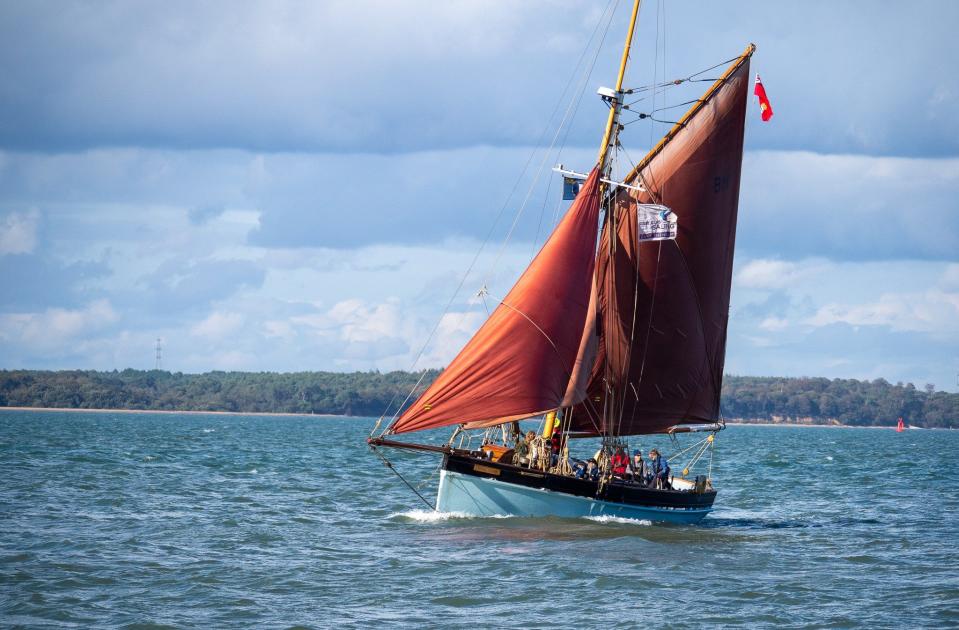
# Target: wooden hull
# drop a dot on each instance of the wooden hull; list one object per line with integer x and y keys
{"x": 483, "y": 488}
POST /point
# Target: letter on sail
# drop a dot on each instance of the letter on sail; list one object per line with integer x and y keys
{"x": 521, "y": 360}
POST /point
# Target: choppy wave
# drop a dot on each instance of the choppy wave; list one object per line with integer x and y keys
{"x": 428, "y": 516}
{"x": 196, "y": 539}
{"x": 618, "y": 519}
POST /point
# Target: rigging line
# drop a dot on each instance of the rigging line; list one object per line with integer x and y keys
{"x": 655, "y": 195}
{"x": 695, "y": 100}
{"x": 555, "y": 216}
{"x": 655, "y": 69}
{"x": 665, "y": 51}
{"x": 712, "y": 451}
{"x": 569, "y": 127}
{"x": 542, "y": 213}
{"x": 611, "y": 6}
{"x": 718, "y": 65}
{"x": 695, "y": 458}
{"x": 546, "y": 154}
{"x": 499, "y": 215}
{"x": 632, "y": 328}
{"x": 656, "y": 276}
{"x": 676, "y": 82}
{"x": 626, "y": 358}
{"x": 402, "y": 478}
{"x": 667, "y": 122}
{"x": 705, "y": 440}
{"x": 616, "y": 414}
{"x": 657, "y": 89}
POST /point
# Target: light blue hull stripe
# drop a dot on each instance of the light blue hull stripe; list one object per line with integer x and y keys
{"x": 479, "y": 496}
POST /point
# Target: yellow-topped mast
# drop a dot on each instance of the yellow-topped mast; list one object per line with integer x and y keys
{"x": 616, "y": 100}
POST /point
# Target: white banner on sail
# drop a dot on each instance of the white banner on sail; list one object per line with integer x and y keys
{"x": 656, "y": 222}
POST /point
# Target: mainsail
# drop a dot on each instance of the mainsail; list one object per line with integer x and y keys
{"x": 664, "y": 306}
{"x": 522, "y": 360}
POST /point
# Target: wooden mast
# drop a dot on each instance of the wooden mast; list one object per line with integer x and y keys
{"x": 612, "y": 130}
{"x": 610, "y": 138}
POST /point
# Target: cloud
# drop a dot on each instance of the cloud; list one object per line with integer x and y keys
{"x": 794, "y": 205}
{"x": 178, "y": 286}
{"x": 29, "y": 281}
{"x": 54, "y": 326}
{"x": 844, "y": 207}
{"x": 774, "y": 324}
{"x": 897, "y": 320}
{"x": 218, "y": 325}
{"x": 771, "y": 274}
{"x": 933, "y": 312}
{"x": 202, "y": 214}
{"x": 346, "y": 76}
{"x": 950, "y": 278}
{"x": 842, "y": 350}
{"x": 18, "y": 232}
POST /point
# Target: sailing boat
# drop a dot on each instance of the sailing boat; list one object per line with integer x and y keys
{"x": 622, "y": 338}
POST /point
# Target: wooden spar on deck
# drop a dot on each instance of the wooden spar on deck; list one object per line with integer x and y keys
{"x": 698, "y": 105}
{"x": 609, "y": 137}
{"x": 378, "y": 441}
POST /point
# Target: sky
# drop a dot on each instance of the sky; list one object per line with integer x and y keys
{"x": 287, "y": 186}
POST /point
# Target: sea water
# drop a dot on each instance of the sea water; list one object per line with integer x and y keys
{"x": 150, "y": 520}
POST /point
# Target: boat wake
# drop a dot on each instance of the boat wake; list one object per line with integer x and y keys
{"x": 618, "y": 519}
{"x": 428, "y": 516}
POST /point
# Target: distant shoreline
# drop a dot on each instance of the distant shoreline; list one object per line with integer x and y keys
{"x": 805, "y": 424}
{"x": 334, "y": 415}
{"x": 174, "y": 411}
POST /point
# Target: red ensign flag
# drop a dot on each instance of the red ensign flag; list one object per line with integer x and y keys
{"x": 764, "y": 107}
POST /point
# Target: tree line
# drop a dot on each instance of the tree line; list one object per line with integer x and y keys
{"x": 749, "y": 398}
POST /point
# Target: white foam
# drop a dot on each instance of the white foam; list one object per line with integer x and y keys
{"x": 209, "y": 430}
{"x": 427, "y": 516}
{"x": 604, "y": 518}
{"x": 253, "y": 471}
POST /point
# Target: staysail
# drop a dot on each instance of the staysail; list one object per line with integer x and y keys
{"x": 664, "y": 306}
{"x": 521, "y": 361}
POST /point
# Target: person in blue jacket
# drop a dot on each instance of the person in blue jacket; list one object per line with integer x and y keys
{"x": 592, "y": 470}
{"x": 659, "y": 468}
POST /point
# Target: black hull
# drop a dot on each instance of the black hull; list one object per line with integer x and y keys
{"x": 614, "y": 491}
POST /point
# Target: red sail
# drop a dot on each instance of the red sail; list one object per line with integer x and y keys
{"x": 664, "y": 304}
{"x": 521, "y": 360}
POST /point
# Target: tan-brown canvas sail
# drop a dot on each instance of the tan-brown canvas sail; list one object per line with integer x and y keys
{"x": 521, "y": 360}
{"x": 664, "y": 305}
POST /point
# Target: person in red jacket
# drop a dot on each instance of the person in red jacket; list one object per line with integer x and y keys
{"x": 555, "y": 446}
{"x": 619, "y": 462}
